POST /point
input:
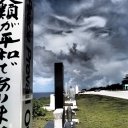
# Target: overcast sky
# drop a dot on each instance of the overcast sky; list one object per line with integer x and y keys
{"x": 89, "y": 36}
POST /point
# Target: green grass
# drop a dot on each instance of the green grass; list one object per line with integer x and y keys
{"x": 102, "y": 112}
{"x": 40, "y": 122}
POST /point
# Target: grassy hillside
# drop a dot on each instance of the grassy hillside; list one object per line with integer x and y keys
{"x": 102, "y": 112}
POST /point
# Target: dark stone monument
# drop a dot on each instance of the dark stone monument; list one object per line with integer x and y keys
{"x": 59, "y": 81}
{"x": 69, "y": 114}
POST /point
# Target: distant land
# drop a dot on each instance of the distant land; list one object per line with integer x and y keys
{"x": 37, "y": 95}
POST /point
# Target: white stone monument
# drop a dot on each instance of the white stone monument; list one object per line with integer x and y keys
{"x": 58, "y": 118}
{"x": 71, "y": 99}
{"x": 51, "y": 107}
{"x": 52, "y": 101}
{"x": 16, "y": 47}
{"x": 77, "y": 89}
{"x": 66, "y": 89}
{"x": 71, "y": 93}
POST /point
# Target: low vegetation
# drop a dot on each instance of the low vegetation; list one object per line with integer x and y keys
{"x": 41, "y": 121}
{"x": 40, "y": 116}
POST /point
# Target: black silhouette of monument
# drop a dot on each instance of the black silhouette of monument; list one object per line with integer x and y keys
{"x": 59, "y": 81}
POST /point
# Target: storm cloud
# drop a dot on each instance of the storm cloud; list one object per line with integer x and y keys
{"x": 88, "y": 36}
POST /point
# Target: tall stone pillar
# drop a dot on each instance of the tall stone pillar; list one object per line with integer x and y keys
{"x": 16, "y": 52}
{"x": 59, "y": 101}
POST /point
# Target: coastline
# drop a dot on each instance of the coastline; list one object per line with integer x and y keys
{"x": 38, "y": 95}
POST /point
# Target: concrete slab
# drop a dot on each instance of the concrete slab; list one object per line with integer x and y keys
{"x": 74, "y": 120}
{"x": 72, "y": 107}
{"x": 118, "y": 94}
{"x": 48, "y": 108}
{"x": 73, "y": 102}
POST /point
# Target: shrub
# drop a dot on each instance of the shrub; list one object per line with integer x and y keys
{"x": 37, "y": 108}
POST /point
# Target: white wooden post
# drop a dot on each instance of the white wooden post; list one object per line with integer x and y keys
{"x": 16, "y": 63}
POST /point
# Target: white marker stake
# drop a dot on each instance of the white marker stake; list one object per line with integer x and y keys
{"x": 16, "y": 63}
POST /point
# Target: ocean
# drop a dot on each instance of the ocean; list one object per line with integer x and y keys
{"x": 37, "y": 95}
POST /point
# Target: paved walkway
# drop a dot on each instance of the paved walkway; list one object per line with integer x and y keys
{"x": 118, "y": 94}
{"x": 50, "y": 124}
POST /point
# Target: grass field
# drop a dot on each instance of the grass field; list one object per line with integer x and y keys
{"x": 102, "y": 112}
{"x": 95, "y": 112}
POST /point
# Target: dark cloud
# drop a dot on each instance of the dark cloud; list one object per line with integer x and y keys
{"x": 74, "y": 54}
{"x": 44, "y": 62}
{"x": 88, "y": 36}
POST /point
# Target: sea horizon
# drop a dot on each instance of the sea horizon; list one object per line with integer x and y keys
{"x": 37, "y": 95}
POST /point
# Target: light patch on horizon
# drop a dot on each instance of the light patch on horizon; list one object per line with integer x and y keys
{"x": 118, "y": 1}
{"x": 43, "y": 84}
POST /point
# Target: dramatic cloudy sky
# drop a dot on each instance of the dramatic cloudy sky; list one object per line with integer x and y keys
{"x": 89, "y": 36}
